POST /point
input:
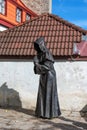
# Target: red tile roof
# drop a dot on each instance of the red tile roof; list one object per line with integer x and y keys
{"x": 58, "y": 33}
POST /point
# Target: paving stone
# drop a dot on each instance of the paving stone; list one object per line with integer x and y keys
{"x": 14, "y": 120}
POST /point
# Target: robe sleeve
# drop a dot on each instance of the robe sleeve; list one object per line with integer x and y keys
{"x": 42, "y": 69}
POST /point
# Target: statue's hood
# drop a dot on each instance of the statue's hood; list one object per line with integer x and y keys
{"x": 41, "y": 44}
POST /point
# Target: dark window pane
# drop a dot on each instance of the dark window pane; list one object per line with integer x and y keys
{"x": 2, "y": 6}
{"x": 28, "y": 17}
{"x": 18, "y": 15}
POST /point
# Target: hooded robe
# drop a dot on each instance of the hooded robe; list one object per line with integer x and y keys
{"x": 47, "y": 100}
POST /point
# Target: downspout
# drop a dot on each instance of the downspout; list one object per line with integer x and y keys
{"x": 50, "y": 6}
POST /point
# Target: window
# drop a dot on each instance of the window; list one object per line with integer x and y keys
{"x": 2, "y": 6}
{"x": 18, "y": 15}
{"x": 28, "y": 16}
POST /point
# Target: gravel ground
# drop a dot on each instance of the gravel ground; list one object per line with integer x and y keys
{"x": 22, "y": 119}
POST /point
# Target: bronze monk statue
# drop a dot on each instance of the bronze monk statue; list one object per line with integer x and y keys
{"x": 47, "y": 101}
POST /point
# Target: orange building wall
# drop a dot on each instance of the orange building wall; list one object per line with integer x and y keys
{"x": 11, "y": 12}
{"x": 23, "y": 16}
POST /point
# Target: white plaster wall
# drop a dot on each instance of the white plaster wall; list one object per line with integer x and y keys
{"x": 2, "y": 28}
{"x": 20, "y": 76}
{"x": 71, "y": 82}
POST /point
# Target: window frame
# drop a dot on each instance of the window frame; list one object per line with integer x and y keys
{"x": 17, "y": 17}
{"x": 27, "y": 14}
{"x": 4, "y": 7}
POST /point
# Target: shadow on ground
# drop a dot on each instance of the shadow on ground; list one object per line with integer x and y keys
{"x": 9, "y": 129}
{"x": 68, "y": 125}
{"x": 9, "y": 99}
{"x": 25, "y": 111}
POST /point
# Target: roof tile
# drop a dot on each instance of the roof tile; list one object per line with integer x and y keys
{"x": 58, "y": 33}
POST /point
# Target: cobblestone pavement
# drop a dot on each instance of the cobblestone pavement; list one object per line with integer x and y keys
{"x": 25, "y": 120}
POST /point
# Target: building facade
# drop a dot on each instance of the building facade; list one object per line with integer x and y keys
{"x": 39, "y": 6}
{"x": 13, "y": 12}
{"x": 67, "y": 43}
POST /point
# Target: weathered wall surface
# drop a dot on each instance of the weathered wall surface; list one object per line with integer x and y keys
{"x": 18, "y": 81}
{"x": 72, "y": 84}
{"x": 39, "y": 6}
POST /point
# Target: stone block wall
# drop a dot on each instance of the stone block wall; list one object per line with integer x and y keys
{"x": 39, "y": 6}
